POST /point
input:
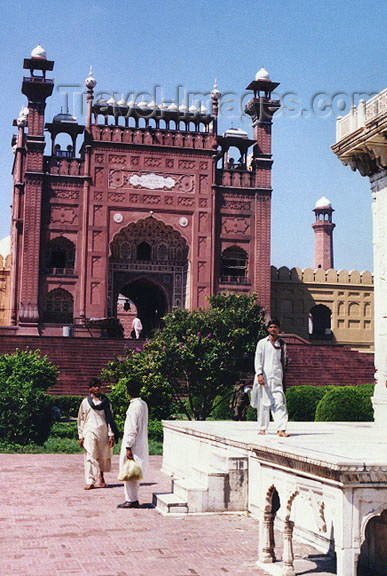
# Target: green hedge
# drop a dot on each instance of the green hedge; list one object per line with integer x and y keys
{"x": 68, "y": 406}
{"x": 302, "y": 401}
{"x": 346, "y": 404}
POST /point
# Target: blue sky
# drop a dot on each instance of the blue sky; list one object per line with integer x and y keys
{"x": 329, "y": 47}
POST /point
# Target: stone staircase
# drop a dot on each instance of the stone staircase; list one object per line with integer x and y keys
{"x": 320, "y": 365}
{"x": 220, "y": 484}
{"x": 78, "y": 359}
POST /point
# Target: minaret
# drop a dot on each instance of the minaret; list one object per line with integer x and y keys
{"x": 323, "y": 234}
{"x": 37, "y": 88}
{"x": 261, "y": 107}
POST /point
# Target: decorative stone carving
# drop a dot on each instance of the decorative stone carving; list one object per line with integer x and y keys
{"x": 96, "y": 266}
{"x": 235, "y": 225}
{"x": 186, "y": 202}
{"x": 63, "y": 215}
{"x": 183, "y": 221}
{"x": 169, "y": 163}
{"x": 238, "y": 205}
{"x": 95, "y": 291}
{"x": 203, "y": 202}
{"x": 150, "y": 181}
{"x": 151, "y": 199}
{"x": 118, "y": 218}
{"x": 66, "y": 194}
{"x": 134, "y": 198}
{"x": 186, "y": 164}
{"x": 99, "y": 177}
{"x": 202, "y": 246}
{"x": 168, "y": 200}
{"x": 151, "y": 162}
{"x": 98, "y": 196}
{"x": 203, "y": 165}
{"x": 135, "y": 161}
{"x": 97, "y": 240}
{"x": 203, "y": 184}
{"x": 203, "y": 221}
{"x": 117, "y": 197}
{"x": 97, "y": 216}
{"x": 117, "y": 159}
{"x": 99, "y": 158}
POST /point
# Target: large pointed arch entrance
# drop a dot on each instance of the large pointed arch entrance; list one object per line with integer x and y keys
{"x": 148, "y": 265}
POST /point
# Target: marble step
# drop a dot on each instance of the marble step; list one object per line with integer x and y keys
{"x": 169, "y": 503}
{"x": 192, "y": 492}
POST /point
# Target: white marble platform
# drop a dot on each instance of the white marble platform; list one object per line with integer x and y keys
{"x": 326, "y": 481}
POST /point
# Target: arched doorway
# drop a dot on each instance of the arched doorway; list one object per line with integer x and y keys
{"x": 320, "y": 323}
{"x": 148, "y": 264}
{"x": 373, "y": 554}
{"x": 150, "y": 302}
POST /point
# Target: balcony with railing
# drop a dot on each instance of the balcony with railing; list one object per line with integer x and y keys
{"x": 359, "y": 116}
{"x": 235, "y": 178}
{"x": 150, "y": 136}
{"x": 63, "y": 165}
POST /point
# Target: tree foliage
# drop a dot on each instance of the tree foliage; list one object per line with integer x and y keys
{"x": 25, "y": 414}
{"x": 196, "y": 357}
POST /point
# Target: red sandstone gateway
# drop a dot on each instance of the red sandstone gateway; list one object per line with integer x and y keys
{"x": 147, "y": 208}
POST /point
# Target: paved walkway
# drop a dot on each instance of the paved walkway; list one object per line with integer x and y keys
{"x": 49, "y": 526}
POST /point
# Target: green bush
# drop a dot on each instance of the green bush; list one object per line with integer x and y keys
{"x": 64, "y": 430}
{"x": 25, "y": 415}
{"x": 68, "y": 406}
{"x": 346, "y": 404}
{"x": 302, "y": 401}
{"x": 155, "y": 430}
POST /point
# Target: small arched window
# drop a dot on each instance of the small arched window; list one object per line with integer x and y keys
{"x": 60, "y": 255}
{"x": 320, "y": 316}
{"x": 144, "y": 251}
{"x": 234, "y": 265}
{"x": 59, "y": 307}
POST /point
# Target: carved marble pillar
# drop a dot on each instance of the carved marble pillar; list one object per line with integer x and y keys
{"x": 267, "y": 552}
{"x": 379, "y": 217}
{"x": 362, "y": 145}
{"x": 288, "y": 556}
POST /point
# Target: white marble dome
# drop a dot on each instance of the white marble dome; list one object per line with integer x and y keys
{"x": 323, "y": 203}
{"x": 5, "y": 246}
{"x": 238, "y": 132}
{"x": 39, "y": 53}
{"x": 263, "y": 74}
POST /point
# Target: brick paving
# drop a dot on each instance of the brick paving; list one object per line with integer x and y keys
{"x": 49, "y": 526}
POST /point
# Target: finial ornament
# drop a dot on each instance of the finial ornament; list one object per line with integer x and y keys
{"x": 90, "y": 81}
{"x": 215, "y": 92}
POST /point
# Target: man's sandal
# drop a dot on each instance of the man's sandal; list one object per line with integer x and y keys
{"x": 126, "y": 504}
{"x": 89, "y": 487}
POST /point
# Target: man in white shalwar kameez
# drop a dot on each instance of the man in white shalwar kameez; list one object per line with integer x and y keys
{"x": 268, "y": 393}
{"x": 134, "y": 442}
{"x": 96, "y": 430}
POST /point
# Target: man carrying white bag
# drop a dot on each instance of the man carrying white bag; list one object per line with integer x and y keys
{"x": 134, "y": 445}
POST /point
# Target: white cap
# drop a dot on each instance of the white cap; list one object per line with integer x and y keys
{"x": 263, "y": 74}
{"x": 323, "y": 203}
{"x": 39, "y": 53}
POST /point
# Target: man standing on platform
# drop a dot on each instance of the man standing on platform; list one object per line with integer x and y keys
{"x": 268, "y": 390}
{"x": 96, "y": 431}
{"x": 134, "y": 442}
